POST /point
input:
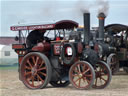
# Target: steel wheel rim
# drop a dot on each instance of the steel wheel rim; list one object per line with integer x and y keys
{"x": 100, "y": 71}
{"x": 34, "y": 71}
{"x": 85, "y": 75}
{"x": 113, "y": 63}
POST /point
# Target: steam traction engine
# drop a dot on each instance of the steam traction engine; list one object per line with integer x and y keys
{"x": 111, "y": 43}
{"x": 63, "y": 59}
{"x": 116, "y": 35}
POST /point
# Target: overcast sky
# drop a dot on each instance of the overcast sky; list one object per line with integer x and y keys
{"x": 14, "y": 12}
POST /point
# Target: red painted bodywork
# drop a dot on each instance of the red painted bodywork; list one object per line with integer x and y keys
{"x": 33, "y": 27}
{"x": 42, "y": 47}
{"x": 80, "y": 47}
{"x": 96, "y": 47}
{"x": 57, "y": 48}
{"x": 18, "y": 46}
{"x": 20, "y": 59}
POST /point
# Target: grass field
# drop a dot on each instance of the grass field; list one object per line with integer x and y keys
{"x": 9, "y": 67}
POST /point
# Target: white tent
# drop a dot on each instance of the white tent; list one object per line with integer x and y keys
{"x": 7, "y": 55}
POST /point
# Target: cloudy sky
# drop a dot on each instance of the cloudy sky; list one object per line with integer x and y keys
{"x": 14, "y": 12}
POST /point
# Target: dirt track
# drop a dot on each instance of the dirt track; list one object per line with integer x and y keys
{"x": 10, "y": 85}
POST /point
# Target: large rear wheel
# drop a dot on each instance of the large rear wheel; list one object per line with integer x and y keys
{"x": 103, "y": 75}
{"x": 82, "y": 75}
{"x": 35, "y": 70}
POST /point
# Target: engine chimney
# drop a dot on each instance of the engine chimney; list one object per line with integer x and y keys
{"x": 86, "y": 28}
{"x": 101, "y": 17}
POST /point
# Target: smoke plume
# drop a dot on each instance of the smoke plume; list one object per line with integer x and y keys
{"x": 85, "y": 6}
{"x": 103, "y": 6}
{"x": 82, "y": 6}
{"x": 53, "y": 9}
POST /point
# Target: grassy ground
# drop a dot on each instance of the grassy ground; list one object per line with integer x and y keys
{"x": 8, "y": 67}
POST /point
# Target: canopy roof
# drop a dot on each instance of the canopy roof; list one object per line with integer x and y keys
{"x": 63, "y": 24}
{"x": 116, "y": 27}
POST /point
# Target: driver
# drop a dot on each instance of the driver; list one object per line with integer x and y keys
{"x": 34, "y": 37}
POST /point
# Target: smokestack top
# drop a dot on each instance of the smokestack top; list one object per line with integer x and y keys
{"x": 101, "y": 16}
{"x": 86, "y": 13}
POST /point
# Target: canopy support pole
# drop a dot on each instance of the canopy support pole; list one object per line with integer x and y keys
{"x": 20, "y": 40}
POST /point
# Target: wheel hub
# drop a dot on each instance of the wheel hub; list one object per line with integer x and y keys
{"x": 98, "y": 74}
{"x": 34, "y": 70}
{"x": 80, "y": 75}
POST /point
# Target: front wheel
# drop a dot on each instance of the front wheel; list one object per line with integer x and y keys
{"x": 103, "y": 75}
{"x": 35, "y": 70}
{"x": 82, "y": 75}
